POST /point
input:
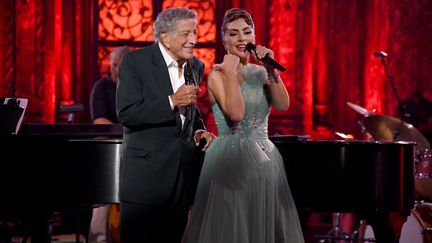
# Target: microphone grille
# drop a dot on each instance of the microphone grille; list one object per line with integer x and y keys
{"x": 250, "y": 47}
{"x": 188, "y": 74}
{"x": 380, "y": 54}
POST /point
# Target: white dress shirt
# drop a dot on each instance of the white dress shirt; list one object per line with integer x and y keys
{"x": 176, "y": 81}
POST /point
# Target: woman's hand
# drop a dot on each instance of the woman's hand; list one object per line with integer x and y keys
{"x": 202, "y": 134}
{"x": 229, "y": 64}
{"x": 262, "y": 51}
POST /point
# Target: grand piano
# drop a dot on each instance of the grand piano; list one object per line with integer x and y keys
{"x": 350, "y": 176}
{"x": 370, "y": 178}
{"x": 76, "y": 166}
{"x": 49, "y": 168}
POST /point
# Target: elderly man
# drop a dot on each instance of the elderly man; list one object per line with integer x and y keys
{"x": 161, "y": 128}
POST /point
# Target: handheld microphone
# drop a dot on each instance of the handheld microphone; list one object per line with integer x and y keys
{"x": 380, "y": 54}
{"x": 189, "y": 80}
{"x": 266, "y": 59}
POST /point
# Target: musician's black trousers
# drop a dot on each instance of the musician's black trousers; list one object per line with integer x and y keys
{"x": 155, "y": 223}
{"x": 383, "y": 231}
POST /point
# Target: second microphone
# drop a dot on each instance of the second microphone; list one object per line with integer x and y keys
{"x": 266, "y": 59}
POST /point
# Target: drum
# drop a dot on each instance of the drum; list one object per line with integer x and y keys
{"x": 424, "y": 164}
{"x": 423, "y": 174}
{"x": 416, "y": 229}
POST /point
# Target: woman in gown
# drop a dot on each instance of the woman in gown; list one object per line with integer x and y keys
{"x": 243, "y": 195}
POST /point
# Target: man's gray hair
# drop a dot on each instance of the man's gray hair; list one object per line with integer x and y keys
{"x": 167, "y": 20}
{"x": 118, "y": 52}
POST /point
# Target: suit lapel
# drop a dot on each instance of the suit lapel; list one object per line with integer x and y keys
{"x": 160, "y": 71}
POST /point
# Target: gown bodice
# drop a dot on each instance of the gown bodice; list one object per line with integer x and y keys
{"x": 257, "y": 106}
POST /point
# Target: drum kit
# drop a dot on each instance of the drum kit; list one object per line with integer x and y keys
{"x": 418, "y": 226}
{"x": 387, "y": 128}
{"x": 416, "y": 229}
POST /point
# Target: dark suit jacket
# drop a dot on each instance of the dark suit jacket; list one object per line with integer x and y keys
{"x": 155, "y": 146}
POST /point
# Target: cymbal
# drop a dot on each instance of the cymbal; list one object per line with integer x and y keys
{"x": 387, "y": 128}
{"x": 361, "y": 110}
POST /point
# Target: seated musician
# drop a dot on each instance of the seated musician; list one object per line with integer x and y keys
{"x": 417, "y": 110}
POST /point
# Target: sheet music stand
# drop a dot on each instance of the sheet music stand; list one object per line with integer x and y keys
{"x": 11, "y": 114}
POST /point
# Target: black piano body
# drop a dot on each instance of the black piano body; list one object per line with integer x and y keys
{"x": 74, "y": 167}
{"x": 60, "y": 172}
{"x": 62, "y": 168}
{"x": 350, "y": 176}
{"x": 373, "y": 179}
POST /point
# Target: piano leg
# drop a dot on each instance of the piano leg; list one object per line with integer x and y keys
{"x": 38, "y": 223}
{"x": 383, "y": 230}
{"x": 5, "y": 230}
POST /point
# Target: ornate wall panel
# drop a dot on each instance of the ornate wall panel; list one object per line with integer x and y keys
{"x": 208, "y": 56}
{"x": 115, "y": 28}
{"x": 125, "y": 20}
{"x": 113, "y": 14}
{"x": 206, "y": 16}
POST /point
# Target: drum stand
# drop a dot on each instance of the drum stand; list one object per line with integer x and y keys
{"x": 337, "y": 235}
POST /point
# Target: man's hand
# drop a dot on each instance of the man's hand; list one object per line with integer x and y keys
{"x": 102, "y": 120}
{"x": 208, "y": 136}
{"x": 186, "y": 95}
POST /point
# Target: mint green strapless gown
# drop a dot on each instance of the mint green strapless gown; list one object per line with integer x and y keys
{"x": 243, "y": 194}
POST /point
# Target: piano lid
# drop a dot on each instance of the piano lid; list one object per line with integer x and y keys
{"x": 73, "y": 130}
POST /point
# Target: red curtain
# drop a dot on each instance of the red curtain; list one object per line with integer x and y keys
{"x": 49, "y": 57}
{"x": 328, "y": 47}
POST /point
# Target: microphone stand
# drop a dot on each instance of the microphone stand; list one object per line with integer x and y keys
{"x": 189, "y": 80}
{"x": 401, "y": 107}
